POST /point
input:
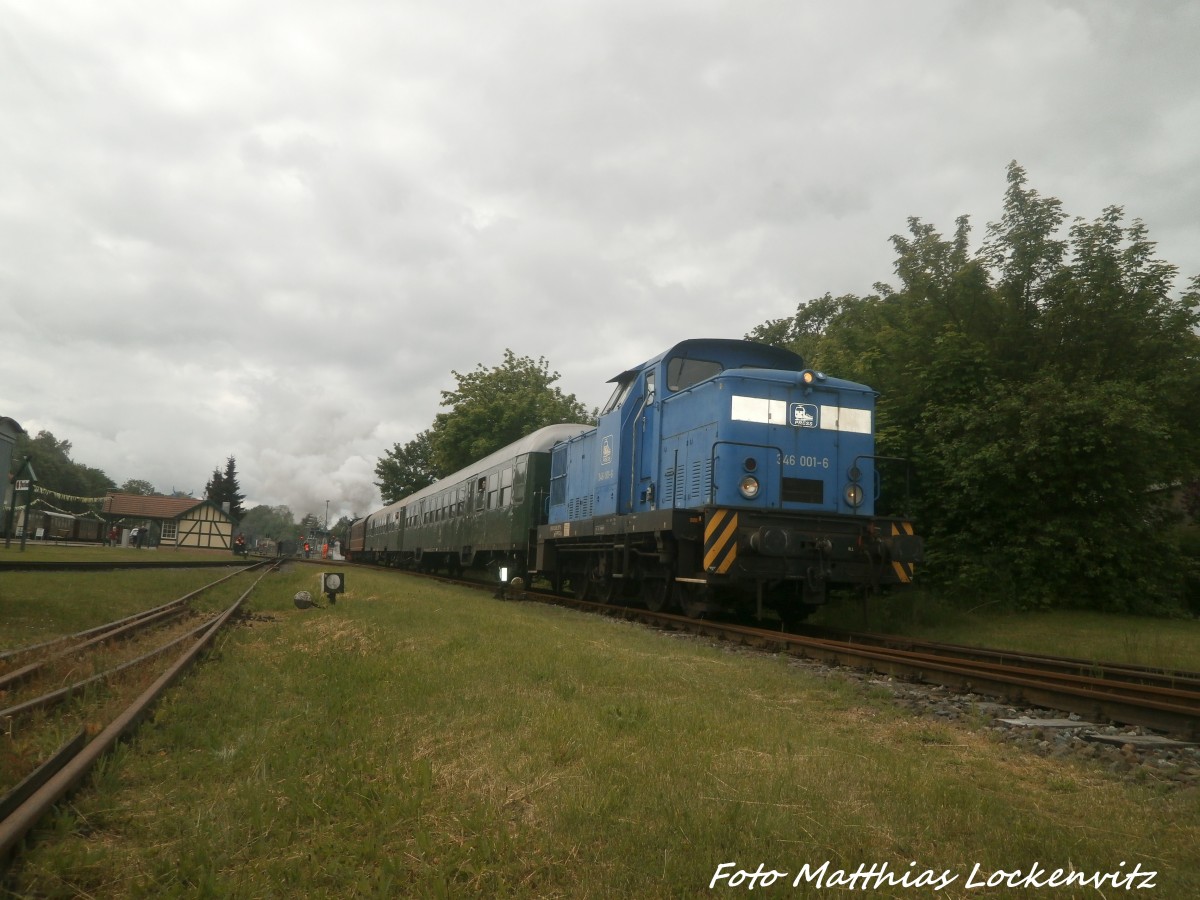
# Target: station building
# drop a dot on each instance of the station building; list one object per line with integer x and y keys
{"x": 173, "y": 521}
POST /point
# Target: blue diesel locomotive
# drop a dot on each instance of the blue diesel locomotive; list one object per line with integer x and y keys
{"x": 723, "y": 475}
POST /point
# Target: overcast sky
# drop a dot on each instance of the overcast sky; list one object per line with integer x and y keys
{"x": 271, "y": 230}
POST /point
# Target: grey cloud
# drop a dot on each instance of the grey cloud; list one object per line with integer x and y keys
{"x": 273, "y": 233}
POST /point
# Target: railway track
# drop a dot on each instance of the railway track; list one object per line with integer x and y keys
{"x": 1164, "y": 701}
{"x": 128, "y": 656}
{"x": 1161, "y": 700}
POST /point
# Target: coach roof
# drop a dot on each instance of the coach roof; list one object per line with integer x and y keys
{"x": 539, "y": 441}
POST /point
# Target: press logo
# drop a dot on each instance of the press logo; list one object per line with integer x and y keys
{"x": 804, "y": 415}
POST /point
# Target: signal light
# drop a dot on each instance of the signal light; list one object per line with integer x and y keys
{"x": 332, "y": 584}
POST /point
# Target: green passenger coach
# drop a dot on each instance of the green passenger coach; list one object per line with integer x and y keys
{"x": 484, "y": 515}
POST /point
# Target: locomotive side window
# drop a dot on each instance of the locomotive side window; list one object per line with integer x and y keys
{"x": 619, "y": 394}
{"x": 683, "y": 372}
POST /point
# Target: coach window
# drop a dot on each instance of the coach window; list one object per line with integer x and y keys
{"x": 506, "y": 480}
{"x": 462, "y": 498}
{"x": 519, "y": 480}
{"x": 481, "y": 493}
{"x": 493, "y": 489}
{"x": 683, "y": 372}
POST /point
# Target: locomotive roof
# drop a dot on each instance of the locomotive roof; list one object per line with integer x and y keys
{"x": 539, "y": 441}
{"x": 733, "y": 354}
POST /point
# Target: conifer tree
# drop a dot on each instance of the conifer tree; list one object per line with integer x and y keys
{"x": 223, "y": 489}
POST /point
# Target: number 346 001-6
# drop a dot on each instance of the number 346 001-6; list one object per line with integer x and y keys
{"x": 806, "y": 462}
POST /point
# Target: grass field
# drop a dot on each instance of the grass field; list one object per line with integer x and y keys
{"x": 426, "y": 741}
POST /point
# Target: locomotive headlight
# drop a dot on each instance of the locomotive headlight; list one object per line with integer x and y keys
{"x": 854, "y": 495}
{"x": 749, "y": 487}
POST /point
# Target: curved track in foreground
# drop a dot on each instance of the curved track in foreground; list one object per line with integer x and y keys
{"x": 29, "y": 801}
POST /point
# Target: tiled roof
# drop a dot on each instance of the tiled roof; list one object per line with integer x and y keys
{"x": 119, "y": 504}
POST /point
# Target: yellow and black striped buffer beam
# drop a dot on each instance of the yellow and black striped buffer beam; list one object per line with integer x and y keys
{"x": 720, "y": 541}
{"x": 904, "y": 571}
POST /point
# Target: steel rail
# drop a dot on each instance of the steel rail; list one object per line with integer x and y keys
{"x": 26, "y": 672}
{"x": 1168, "y": 708}
{"x": 1109, "y": 671}
{"x": 1176, "y": 712}
{"x": 108, "y": 626}
{"x": 50, "y": 699}
{"x": 14, "y": 827}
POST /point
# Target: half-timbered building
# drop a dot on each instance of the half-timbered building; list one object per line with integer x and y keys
{"x": 172, "y": 521}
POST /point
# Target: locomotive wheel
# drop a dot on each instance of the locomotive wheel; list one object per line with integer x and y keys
{"x": 594, "y": 583}
{"x": 658, "y": 593}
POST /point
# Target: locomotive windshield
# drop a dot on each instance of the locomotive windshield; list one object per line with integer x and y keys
{"x": 683, "y": 372}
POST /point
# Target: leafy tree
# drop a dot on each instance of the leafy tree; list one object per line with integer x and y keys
{"x": 56, "y": 471}
{"x": 494, "y": 407}
{"x": 1043, "y": 387}
{"x": 274, "y": 523}
{"x": 137, "y": 486}
{"x": 405, "y": 470}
